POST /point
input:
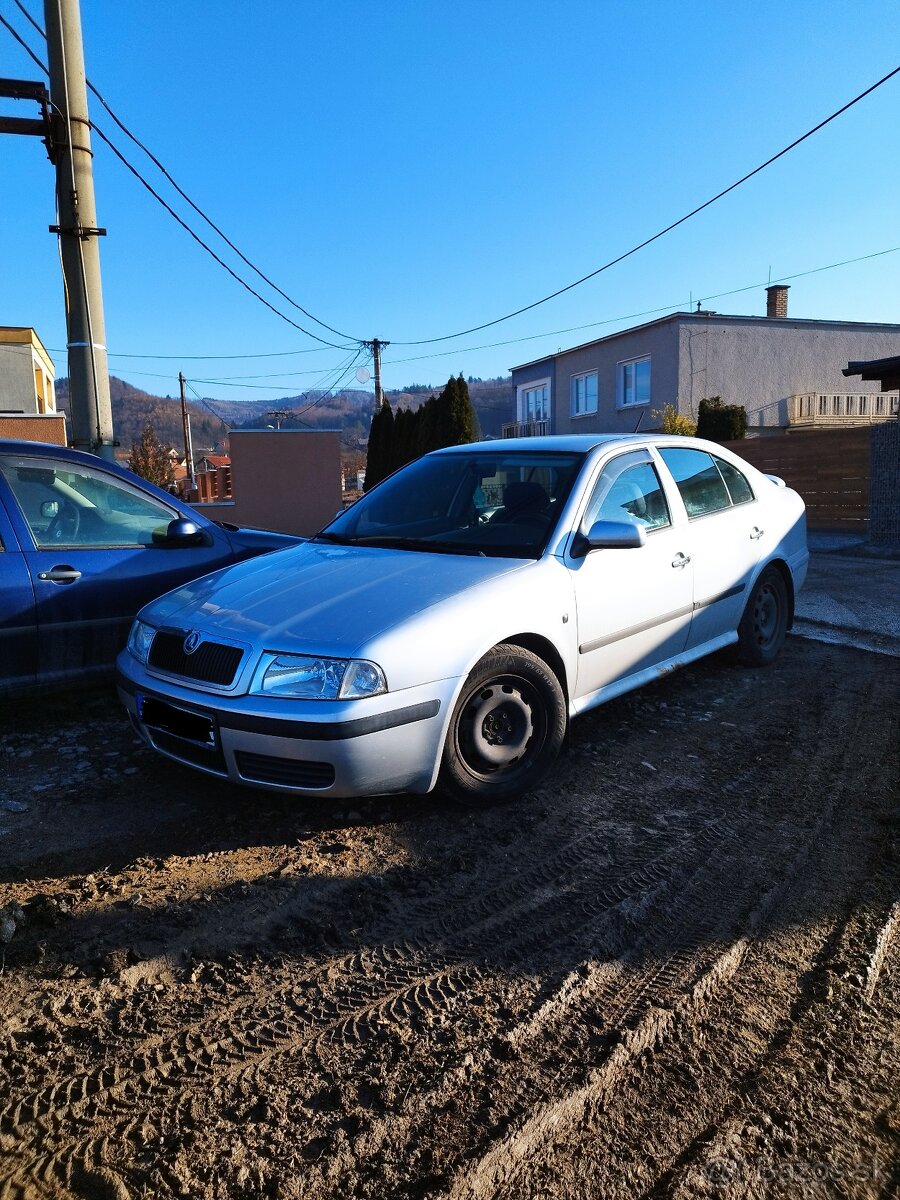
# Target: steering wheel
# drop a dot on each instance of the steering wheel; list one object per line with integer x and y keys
{"x": 65, "y": 525}
{"x": 536, "y": 519}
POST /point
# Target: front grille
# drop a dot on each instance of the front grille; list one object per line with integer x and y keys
{"x": 211, "y": 759}
{"x": 211, "y": 662}
{"x": 288, "y": 772}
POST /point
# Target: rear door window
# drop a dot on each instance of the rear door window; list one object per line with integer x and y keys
{"x": 698, "y": 480}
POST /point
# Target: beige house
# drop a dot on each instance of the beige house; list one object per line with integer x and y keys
{"x": 27, "y": 394}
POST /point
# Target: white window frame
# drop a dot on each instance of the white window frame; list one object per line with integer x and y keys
{"x": 574, "y": 381}
{"x": 522, "y": 390}
{"x": 621, "y": 401}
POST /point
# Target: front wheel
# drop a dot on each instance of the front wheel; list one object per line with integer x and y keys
{"x": 507, "y": 728}
{"x": 763, "y": 626}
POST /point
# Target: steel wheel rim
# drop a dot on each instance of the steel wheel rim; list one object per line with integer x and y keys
{"x": 766, "y": 616}
{"x": 500, "y": 726}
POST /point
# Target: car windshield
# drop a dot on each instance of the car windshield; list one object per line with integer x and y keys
{"x": 494, "y": 503}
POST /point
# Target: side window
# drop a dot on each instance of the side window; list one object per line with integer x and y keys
{"x": 72, "y": 505}
{"x": 701, "y": 486}
{"x": 628, "y": 490}
{"x": 736, "y": 482}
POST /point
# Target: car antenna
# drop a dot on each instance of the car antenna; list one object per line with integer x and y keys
{"x": 640, "y": 418}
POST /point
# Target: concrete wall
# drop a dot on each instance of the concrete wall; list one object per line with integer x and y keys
{"x": 26, "y": 373}
{"x": 286, "y": 480}
{"x": 759, "y": 363}
{"x": 16, "y": 379}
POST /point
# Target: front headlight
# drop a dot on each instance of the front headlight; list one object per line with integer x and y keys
{"x": 305, "y": 677}
{"x": 140, "y": 640}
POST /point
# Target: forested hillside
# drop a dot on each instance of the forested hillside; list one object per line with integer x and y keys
{"x": 350, "y": 411}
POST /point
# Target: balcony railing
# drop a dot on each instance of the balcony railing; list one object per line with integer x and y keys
{"x": 514, "y": 429}
{"x": 842, "y": 408}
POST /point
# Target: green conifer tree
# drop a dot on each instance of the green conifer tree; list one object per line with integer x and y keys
{"x": 150, "y": 459}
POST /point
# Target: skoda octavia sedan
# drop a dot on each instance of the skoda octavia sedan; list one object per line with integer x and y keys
{"x": 83, "y": 544}
{"x": 444, "y": 630}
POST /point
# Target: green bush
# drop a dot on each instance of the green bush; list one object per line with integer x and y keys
{"x": 720, "y": 422}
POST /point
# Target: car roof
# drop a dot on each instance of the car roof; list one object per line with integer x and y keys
{"x": 578, "y": 443}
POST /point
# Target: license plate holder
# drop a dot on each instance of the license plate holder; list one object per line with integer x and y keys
{"x": 183, "y": 723}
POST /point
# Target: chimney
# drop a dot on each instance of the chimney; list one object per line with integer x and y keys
{"x": 776, "y": 300}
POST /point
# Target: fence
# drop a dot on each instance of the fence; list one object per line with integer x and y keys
{"x": 830, "y": 468}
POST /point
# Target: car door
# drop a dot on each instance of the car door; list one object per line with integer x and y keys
{"x": 634, "y": 605}
{"x": 95, "y": 549}
{"x": 726, "y": 536}
{"x": 18, "y": 627}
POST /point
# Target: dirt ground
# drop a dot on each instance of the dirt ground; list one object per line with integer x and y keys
{"x": 673, "y": 971}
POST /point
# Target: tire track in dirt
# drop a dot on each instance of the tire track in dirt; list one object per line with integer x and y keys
{"x": 380, "y": 985}
{"x": 548, "y": 1122}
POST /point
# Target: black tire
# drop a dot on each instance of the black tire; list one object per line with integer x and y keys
{"x": 764, "y": 624}
{"x": 506, "y": 731}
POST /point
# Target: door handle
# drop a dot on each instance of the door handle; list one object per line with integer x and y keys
{"x": 60, "y": 575}
{"x": 757, "y": 533}
{"x": 681, "y": 560}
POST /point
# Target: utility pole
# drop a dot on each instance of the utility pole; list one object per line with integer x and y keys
{"x": 89, "y": 401}
{"x": 376, "y": 347}
{"x": 186, "y": 430}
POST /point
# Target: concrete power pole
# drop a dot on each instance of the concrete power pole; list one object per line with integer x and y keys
{"x": 89, "y": 403}
{"x": 376, "y": 347}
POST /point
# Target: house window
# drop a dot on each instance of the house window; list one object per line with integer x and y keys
{"x": 583, "y": 394}
{"x": 633, "y": 382}
{"x": 534, "y": 401}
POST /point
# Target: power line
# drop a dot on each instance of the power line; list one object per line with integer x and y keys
{"x": 172, "y": 213}
{"x": 197, "y": 209}
{"x": 647, "y": 312}
{"x": 656, "y": 236}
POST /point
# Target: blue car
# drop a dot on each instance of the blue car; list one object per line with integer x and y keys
{"x": 83, "y": 545}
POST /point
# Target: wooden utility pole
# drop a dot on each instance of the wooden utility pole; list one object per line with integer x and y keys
{"x": 90, "y": 408}
{"x": 376, "y": 347}
{"x": 186, "y": 431}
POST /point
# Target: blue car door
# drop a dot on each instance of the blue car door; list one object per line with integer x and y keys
{"x": 18, "y": 627}
{"x": 95, "y": 547}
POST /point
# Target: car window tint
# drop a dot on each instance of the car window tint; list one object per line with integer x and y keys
{"x": 628, "y": 491}
{"x": 738, "y": 487}
{"x": 67, "y": 504}
{"x": 701, "y": 486}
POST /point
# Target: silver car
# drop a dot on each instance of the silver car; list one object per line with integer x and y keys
{"x": 444, "y": 630}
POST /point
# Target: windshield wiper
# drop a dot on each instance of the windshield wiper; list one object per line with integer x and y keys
{"x": 385, "y": 542}
{"x": 336, "y": 538}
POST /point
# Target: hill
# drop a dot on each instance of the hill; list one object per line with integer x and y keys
{"x": 350, "y": 411}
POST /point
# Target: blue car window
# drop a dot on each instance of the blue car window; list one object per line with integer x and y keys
{"x": 68, "y": 504}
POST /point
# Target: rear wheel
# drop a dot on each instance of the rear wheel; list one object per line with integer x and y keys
{"x": 507, "y": 728}
{"x": 763, "y": 626}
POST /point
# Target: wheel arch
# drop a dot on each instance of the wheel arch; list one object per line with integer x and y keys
{"x": 545, "y": 650}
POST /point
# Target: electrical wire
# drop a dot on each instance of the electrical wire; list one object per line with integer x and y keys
{"x": 172, "y": 213}
{"x": 197, "y": 209}
{"x": 662, "y": 232}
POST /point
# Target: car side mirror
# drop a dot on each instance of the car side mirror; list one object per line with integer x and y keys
{"x": 182, "y": 532}
{"x": 609, "y": 535}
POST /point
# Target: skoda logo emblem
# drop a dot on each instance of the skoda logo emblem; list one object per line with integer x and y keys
{"x": 191, "y": 642}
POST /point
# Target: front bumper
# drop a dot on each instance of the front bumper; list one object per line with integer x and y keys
{"x": 388, "y": 743}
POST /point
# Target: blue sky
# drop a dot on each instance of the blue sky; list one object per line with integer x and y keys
{"x": 408, "y": 170}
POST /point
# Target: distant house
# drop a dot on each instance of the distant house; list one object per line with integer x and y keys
{"x": 785, "y": 371}
{"x": 27, "y": 393}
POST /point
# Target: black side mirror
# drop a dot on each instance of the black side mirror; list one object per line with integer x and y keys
{"x": 609, "y": 535}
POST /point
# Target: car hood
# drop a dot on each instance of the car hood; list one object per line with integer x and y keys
{"x": 321, "y": 598}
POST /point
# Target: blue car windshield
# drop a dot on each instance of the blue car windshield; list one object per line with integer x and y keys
{"x": 495, "y": 503}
